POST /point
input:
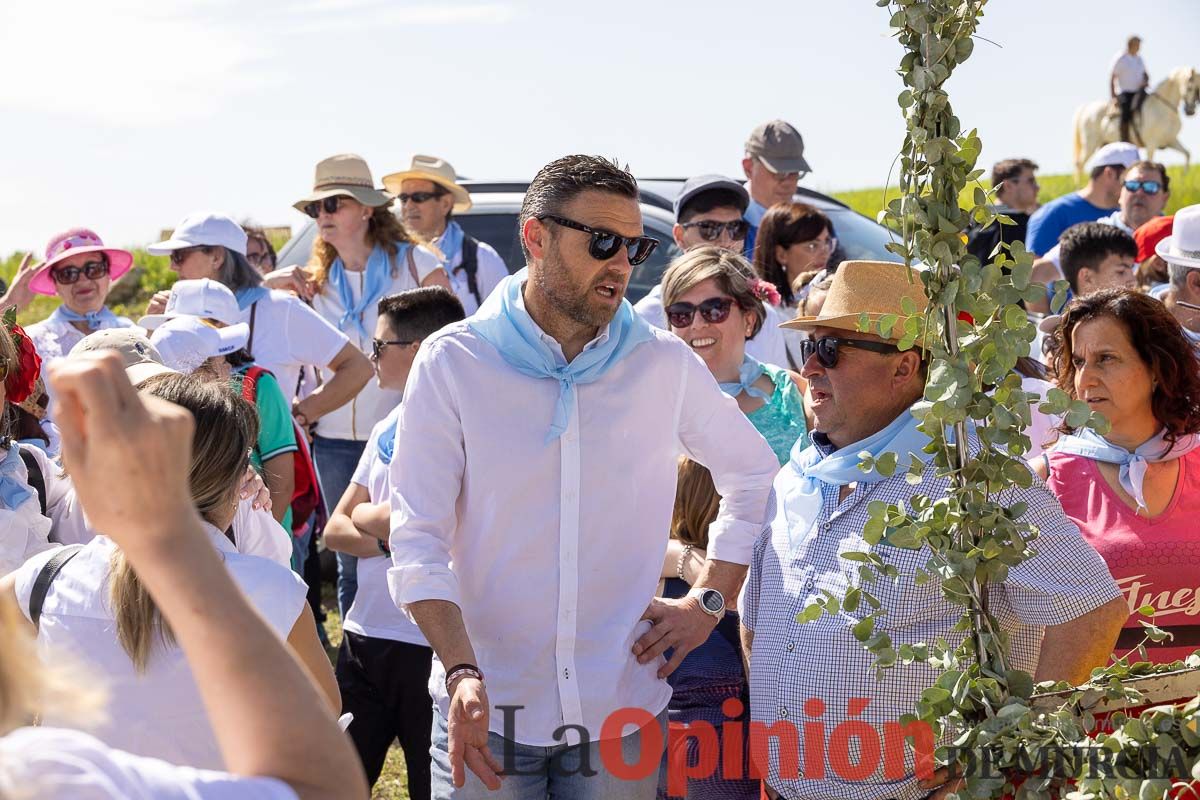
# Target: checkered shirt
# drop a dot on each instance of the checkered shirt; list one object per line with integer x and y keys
{"x": 792, "y": 663}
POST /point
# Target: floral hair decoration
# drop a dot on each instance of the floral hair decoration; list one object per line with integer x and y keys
{"x": 765, "y": 291}
{"x": 20, "y": 378}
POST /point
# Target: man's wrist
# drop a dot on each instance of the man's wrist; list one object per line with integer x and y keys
{"x": 460, "y": 671}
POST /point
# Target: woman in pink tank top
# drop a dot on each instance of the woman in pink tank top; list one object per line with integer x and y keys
{"x": 1135, "y": 491}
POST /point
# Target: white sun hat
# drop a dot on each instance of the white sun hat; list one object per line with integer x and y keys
{"x": 1183, "y": 245}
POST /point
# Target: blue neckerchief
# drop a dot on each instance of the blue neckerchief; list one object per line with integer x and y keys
{"x": 387, "y": 440}
{"x": 802, "y": 501}
{"x": 450, "y": 243}
{"x": 94, "y": 319}
{"x": 13, "y": 490}
{"x": 747, "y": 375}
{"x": 503, "y": 322}
{"x": 378, "y": 278}
{"x": 249, "y": 295}
{"x": 1089, "y": 444}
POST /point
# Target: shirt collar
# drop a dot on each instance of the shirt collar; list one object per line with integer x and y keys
{"x": 552, "y": 343}
{"x": 219, "y": 539}
{"x": 755, "y": 211}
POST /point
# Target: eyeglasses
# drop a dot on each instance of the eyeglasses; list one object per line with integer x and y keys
{"x": 330, "y": 205}
{"x": 826, "y": 349}
{"x": 92, "y": 270}
{"x": 417, "y": 197}
{"x": 605, "y": 245}
{"x": 181, "y": 255}
{"x": 377, "y": 346}
{"x": 714, "y": 311}
{"x": 260, "y": 258}
{"x": 1149, "y": 187}
{"x": 814, "y": 246}
{"x": 711, "y": 230}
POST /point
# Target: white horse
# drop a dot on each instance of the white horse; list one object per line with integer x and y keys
{"x": 1159, "y": 123}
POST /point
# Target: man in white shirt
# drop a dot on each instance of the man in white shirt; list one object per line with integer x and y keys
{"x": 532, "y": 483}
{"x": 1128, "y": 83}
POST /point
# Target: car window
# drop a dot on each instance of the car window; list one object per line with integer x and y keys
{"x": 859, "y": 239}
{"x": 498, "y": 230}
{"x": 647, "y": 275}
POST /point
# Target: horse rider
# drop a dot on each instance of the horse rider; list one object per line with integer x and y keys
{"x": 1127, "y": 84}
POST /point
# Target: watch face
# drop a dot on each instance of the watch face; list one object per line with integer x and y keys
{"x": 713, "y": 601}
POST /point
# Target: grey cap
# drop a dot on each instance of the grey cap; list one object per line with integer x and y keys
{"x": 779, "y": 146}
{"x": 142, "y": 359}
{"x": 707, "y": 183}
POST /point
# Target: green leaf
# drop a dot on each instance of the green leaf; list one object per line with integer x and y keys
{"x": 1146, "y": 611}
{"x": 862, "y": 630}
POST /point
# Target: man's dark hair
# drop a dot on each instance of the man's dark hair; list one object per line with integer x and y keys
{"x": 705, "y": 202}
{"x": 564, "y": 179}
{"x": 1008, "y": 169}
{"x": 1086, "y": 245}
{"x": 1154, "y": 165}
{"x": 1098, "y": 171}
{"x": 416, "y": 313}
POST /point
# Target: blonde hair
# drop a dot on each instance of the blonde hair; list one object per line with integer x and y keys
{"x": 226, "y": 429}
{"x": 696, "y": 504}
{"x": 384, "y": 230}
{"x": 731, "y": 271}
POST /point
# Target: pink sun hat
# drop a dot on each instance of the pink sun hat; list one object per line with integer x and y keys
{"x": 71, "y": 243}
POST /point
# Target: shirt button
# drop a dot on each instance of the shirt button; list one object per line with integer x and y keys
{"x": 791, "y": 646}
{"x": 783, "y": 713}
{"x": 825, "y": 526}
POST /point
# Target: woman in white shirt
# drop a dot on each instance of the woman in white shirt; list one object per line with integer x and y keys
{"x": 361, "y": 254}
{"x": 279, "y": 739}
{"x": 98, "y": 612}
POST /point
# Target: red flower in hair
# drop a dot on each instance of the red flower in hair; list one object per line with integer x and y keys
{"x": 765, "y": 291}
{"x": 22, "y": 376}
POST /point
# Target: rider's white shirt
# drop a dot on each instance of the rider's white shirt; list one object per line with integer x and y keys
{"x": 1129, "y": 71}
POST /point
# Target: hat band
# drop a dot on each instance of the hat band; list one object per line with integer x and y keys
{"x": 1181, "y": 253}
{"x": 72, "y": 243}
{"x": 333, "y": 183}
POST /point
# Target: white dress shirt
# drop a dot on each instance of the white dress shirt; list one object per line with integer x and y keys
{"x": 1130, "y": 71}
{"x": 553, "y": 550}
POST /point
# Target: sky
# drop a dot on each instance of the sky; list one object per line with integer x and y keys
{"x": 126, "y": 115}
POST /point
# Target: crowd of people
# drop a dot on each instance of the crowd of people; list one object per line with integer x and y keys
{"x": 570, "y": 530}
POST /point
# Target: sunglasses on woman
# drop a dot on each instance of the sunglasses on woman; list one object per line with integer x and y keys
{"x": 714, "y": 311}
{"x": 826, "y": 349}
{"x": 377, "y": 346}
{"x": 605, "y": 245}
{"x": 711, "y": 230}
{"x": 1149, "y": 187}
{"x": 330, "y": 205}
{"x": 92, "y": 270}
{"x": 181, "y": 255}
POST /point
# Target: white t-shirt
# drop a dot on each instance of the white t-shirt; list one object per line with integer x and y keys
{"x": 288, "y": 335}
{"x": 373, "y": 612}
{"x": 24, "y": 532}
{"x": 58, "y": 764}
{"x": 490, "y": 271}
{"x": 355, "y": 419}
{"x": 158, "y": 713}
{"x": 1130, "y": 70}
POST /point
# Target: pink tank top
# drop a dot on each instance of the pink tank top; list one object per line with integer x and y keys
{"x": 1155, "y": 561}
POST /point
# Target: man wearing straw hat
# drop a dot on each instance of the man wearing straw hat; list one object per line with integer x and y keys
{"x": 428, "y": 193}
{"x": 1062, "y": 604}
{"x": 1181, "y": 251}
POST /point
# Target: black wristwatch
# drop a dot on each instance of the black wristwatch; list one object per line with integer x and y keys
{"x": 711, "y": 601}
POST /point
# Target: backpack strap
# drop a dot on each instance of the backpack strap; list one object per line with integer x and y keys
{"x": 35, "y": 479}
{"x": 250, "y": 341}
{"x": 250, "y": 383}
{"x": 41, "y": 584}
{"x": 470, "y": 265}
{"x": 412, "y": 266}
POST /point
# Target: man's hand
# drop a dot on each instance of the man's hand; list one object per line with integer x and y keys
{"x": 292, "y": 279}
{"x": 681, "y": 624}
{"x": 468, "y": 734}
{"x": 942, "y": 784}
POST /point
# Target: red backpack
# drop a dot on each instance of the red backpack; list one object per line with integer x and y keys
{"x": 306, "y": 496}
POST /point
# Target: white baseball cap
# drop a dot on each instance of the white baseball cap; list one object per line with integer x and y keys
{"x": 187, "y": 342}
{"x": 203, "y": 297}
{"x": 142, "y": 359}
{"x": 203, "y": 228}
{"x": 1115, "y": 154}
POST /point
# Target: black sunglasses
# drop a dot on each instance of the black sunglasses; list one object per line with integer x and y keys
{"x": 92, "y": 270}
{"x": 714, "y": 311}
{"x": 418, "y": 197}
{"x": 377, "y": 346}
{"x": 181, "y": 255}
{"x": 605, "y": 245}
{"x": 329, "y": 204}
{"x": 826, "y": 349}
{"x": 711, "y": 230}
{"x": 1149, "y": 187}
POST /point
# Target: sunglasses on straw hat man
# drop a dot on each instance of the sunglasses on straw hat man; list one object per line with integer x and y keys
{"x": 435, "y": 170}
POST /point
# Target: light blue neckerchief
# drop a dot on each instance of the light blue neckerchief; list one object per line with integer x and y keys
{"x": 387, "y": 440}
{"x": 249, "y": 295}
{"x": 503, "y": 322}
{"x": 1089, "y": 444}
{"x": 747, "y": 375}
{"x": 450, "y": 243}
{"x": 378, "y": 277}
{"x": 94, "y": 319}
{"x": 802, "y": 501}
{"x": 13, "y": 490}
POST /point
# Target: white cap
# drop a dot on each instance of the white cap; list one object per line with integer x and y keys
{"x": 203, "y": 297}
{"x": 203, "y": 227}
{"x": 1182, "y": 247}
{"x": 141, "y": 359}
{"x": 1115, "y": 154}
{"x": 187, "y": 342}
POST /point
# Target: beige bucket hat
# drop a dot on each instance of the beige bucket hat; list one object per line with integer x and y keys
{"x": 431, "y": 168}
{"x": 346, "y": 174}
{"x": 873, "y": 287}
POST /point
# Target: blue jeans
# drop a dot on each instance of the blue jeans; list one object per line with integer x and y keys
{"x": 560, "y": 772}
{"x": 335, "y": 460}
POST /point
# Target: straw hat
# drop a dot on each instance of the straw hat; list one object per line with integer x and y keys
{"x": 437, "y": 170}
{"x": 874, "y": 287}
{"x": 346, "y": 174}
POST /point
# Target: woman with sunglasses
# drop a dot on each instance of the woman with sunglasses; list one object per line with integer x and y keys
{"x": 80, "y": 270}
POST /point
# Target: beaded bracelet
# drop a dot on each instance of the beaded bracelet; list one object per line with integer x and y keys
{"x": 462, "y": 671}
{"x": 683, "y": 557}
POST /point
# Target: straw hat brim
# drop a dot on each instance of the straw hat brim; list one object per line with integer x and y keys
{"x": 365, "y": 195}
{"x": 462, "y": 198}
{"x": 845, "y": 322}
{"x": 119, "y": 262}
